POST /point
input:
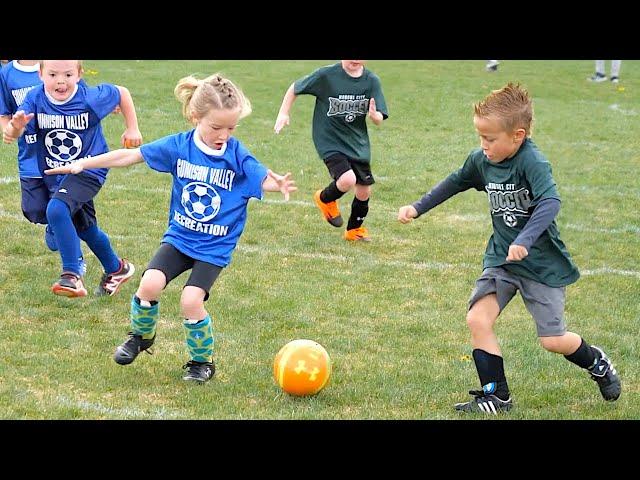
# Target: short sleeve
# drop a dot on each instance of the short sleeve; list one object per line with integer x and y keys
{"x": 161, "y": 155}
{"x": 103, "y": 99}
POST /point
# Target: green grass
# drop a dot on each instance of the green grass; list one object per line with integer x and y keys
{"x": 391, "y": 312}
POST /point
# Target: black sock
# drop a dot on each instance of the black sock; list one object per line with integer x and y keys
{"x": 491, "y": 370}
{"x": 359, "y": 210}
{"x": 584, "y": 356}
{"x": 331, "y": 193}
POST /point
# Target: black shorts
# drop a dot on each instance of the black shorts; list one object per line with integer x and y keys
{"x": 172, "y": 262}
{"x": 78, "y": 191}
{"x": 339, "y": 163}
{"x": 35, "y": 197}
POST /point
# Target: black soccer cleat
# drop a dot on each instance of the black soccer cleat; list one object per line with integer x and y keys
{"x": 199, "y": 371}
{"x": 605, "y": 375}
{"x": 132, "y": 346}
{"x": 485, "y": 403}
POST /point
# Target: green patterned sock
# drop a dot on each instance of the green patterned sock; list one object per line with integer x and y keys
{"x": 143, "y": 319}
{"x": 199, "y": 337}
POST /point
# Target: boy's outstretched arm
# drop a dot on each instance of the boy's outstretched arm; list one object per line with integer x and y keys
{"x": 438, "y": 194}
{"x": 279, "y": 183}
{"x": 114, "y": 158}
{"x": 131, "y": 137}
{"x": 283, "y": 113}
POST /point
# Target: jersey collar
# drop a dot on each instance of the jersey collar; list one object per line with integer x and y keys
{"x": 205, "y": 149}
{"x": 26, "y": 68}
{"x": 62, "y": 102}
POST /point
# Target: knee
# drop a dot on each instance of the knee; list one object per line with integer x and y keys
{"x": 552, "y": 344}
{"x": 477, "y": 322}
{"x": 151, "y": 285}
{"x": 363, "y": 192}
{"x": 57, "y": 209}
{"x": 192, "y": 302}
{"x": 346, "y": 181}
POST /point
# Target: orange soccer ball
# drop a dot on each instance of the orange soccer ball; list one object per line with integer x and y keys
{"x": 302, "y": 367}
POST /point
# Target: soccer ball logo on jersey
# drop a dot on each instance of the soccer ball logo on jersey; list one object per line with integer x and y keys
{"x": 510, "y": 220}
{"x": 63, "y": 145}
{"x": 200, "y": 201}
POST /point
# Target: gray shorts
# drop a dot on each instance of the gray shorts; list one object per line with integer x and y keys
{"x": 545, "y": 303}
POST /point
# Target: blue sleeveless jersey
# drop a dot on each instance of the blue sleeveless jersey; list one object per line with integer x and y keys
{"x": 210, "y": 193}
{"x": 15, "y": 82}
{"x": 68, "y": 131}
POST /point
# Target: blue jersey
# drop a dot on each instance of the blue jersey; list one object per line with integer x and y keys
{"x": 210, "y": 193}
{"x": 15, "y": 81}
{"x": 70, "y": 130}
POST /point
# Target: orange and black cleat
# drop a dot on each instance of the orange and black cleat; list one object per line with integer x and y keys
{"x": 330, "y": 211}
{"x": 359, "y": 234}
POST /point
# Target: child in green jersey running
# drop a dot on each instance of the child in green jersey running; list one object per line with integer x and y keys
{"x": 346, "y": 94}
{"x": 524, "y": 252}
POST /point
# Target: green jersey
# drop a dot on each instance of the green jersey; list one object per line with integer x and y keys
{"x": 514, "y": 187}
{"x": 342, "y": 105}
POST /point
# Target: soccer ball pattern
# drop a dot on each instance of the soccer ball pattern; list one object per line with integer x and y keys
{"x": 302, "y": 367}
{"x": 63, "y": 145}
{"x": 200, "y": 201}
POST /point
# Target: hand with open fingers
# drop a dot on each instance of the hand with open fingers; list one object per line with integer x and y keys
{"x": 281, "y": 122}
{"x": 15, "y": 126}
{"x": 73, "y": 168}
{"x": 285, "y": 183}
{"x": 516, "y": 253}
{"x": 407, "y": 213}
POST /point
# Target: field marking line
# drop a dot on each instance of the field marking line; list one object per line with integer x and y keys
{"x": 157, "y": 414}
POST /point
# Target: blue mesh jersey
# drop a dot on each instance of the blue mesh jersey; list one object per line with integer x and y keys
{"x": 15, "y": 82}
{"x": 70, "y": 130}
{"x": 210, "y": 193}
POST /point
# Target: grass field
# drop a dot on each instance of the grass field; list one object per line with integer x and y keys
{"x": 390, "y": 312}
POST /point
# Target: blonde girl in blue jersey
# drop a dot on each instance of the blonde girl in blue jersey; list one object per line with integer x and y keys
{"x": 214, "y": 177}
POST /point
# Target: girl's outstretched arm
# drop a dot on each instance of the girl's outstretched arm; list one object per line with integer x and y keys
{"x": 115, "y": 158}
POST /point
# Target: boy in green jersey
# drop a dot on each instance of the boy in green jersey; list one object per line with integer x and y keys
{"x": 346, "y": 94}
{"x": 524, "y": 252}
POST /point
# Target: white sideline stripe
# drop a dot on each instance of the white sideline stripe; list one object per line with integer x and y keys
{"x": 607, "y": 270}
{"x": 7, "y": 180}
{"x": 615, "y": 107}
{"x": 340, "y": 258}
{"x": 475, "y": 217}
{"x": 439, "y": 266}
{"x": 624, "y": 229}
{"x": 292, "y": 202}
{"x": 617, "y": 190}
{"x": 14, "y": 216}
{"x": 121, "y": 412}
